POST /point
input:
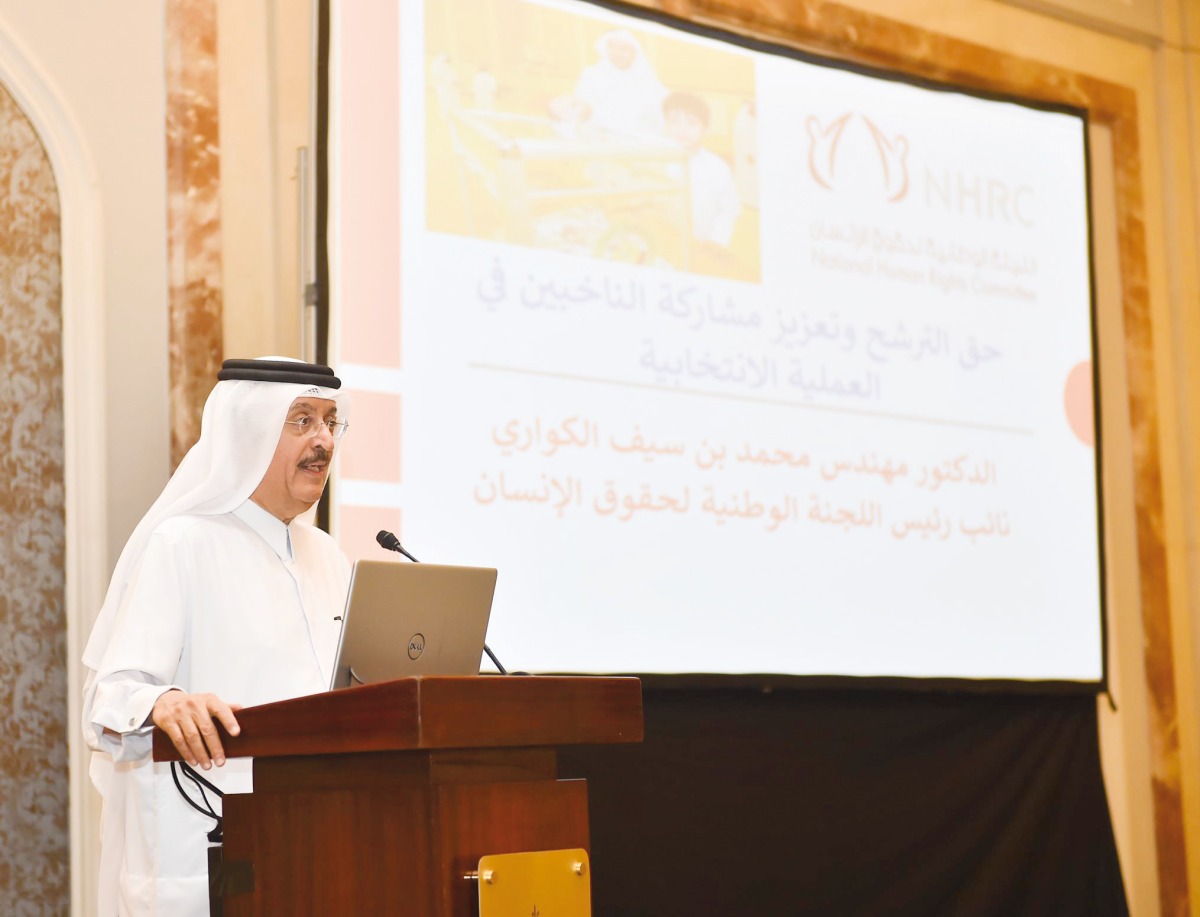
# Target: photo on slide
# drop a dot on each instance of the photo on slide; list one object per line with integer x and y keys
{"x": 563, "y": 133}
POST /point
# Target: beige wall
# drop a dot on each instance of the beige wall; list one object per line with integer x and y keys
{"x": 266, "y": 90}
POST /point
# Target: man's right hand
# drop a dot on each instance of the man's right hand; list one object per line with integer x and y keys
{"x": 188, "y": 720}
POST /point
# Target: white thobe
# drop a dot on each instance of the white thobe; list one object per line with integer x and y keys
{"x": 715, "y": 202}
{"x": 238, "y": 605}
{"x": 624, "y": 101}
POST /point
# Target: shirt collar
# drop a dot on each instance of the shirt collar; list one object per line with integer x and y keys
{"x": 272, "y": 530}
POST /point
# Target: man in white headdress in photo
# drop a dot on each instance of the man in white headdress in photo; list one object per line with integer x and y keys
{"x": 620, "y": 93}
{"x": 223, "y": 597}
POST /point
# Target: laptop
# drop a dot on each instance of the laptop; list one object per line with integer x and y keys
{"x": 412, "y": 619}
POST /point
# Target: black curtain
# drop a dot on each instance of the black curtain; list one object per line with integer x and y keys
{"x": 852, "y": 802}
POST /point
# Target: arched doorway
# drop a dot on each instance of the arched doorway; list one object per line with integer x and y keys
{"x": 34, "y": 832}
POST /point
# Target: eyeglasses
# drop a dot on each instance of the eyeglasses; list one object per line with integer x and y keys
{"x": 308, "y": 425}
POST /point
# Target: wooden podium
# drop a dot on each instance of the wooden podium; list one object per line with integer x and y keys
{"x": 381, "y": 799}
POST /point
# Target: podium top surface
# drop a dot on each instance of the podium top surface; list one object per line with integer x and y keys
{"x": 429, "y": 712}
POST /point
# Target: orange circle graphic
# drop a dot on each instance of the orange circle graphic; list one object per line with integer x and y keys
{"x": 1077, "y": 400}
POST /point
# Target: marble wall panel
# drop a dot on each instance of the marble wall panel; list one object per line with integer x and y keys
{"x": 34, "y": 834}
{"x": 193, "y": 215}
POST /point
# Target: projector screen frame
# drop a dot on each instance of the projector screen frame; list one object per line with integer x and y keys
{"x": 776, "y": 681}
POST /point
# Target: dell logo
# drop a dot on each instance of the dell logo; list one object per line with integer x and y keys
{"x": 416, "y": 645}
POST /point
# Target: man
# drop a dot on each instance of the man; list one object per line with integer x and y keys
{"x": 620, "y": 93}
{"x": 715, "y": 204}
{"x": 222, "y": 597}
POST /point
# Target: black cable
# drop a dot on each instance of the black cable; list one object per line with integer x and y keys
{"x": 217, "y": 833}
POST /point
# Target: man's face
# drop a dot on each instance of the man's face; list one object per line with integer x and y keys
{"x": 685, "y": 129}
{"x": 297, "y": 474}
{"x": 621, "y": 54}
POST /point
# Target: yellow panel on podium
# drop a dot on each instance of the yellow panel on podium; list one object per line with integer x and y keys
{"x": 549, "y": 882}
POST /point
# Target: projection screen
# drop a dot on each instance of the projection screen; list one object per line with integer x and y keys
{"x": 731, "y": 361}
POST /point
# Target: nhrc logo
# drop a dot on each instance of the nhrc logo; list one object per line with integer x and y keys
{"x": 853, "y": 153}
{"x": 825, "y": 149}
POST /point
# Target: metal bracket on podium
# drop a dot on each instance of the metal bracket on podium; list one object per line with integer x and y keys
{"x": 541, "y": 882}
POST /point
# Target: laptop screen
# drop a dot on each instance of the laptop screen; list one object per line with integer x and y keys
{"x": 412, "y": 619}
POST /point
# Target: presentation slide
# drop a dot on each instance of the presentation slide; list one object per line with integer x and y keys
{"x": 729, "y": 362}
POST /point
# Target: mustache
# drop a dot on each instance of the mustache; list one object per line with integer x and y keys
{"x": 319, "y": 456}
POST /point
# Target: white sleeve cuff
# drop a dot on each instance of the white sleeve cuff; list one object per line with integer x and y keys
{"x": 119, "y": 719}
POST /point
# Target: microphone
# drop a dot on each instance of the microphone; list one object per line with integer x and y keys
{"x": 391, "y": 543}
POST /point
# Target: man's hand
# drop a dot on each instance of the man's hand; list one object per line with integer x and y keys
{"x": 188, "y": 720}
